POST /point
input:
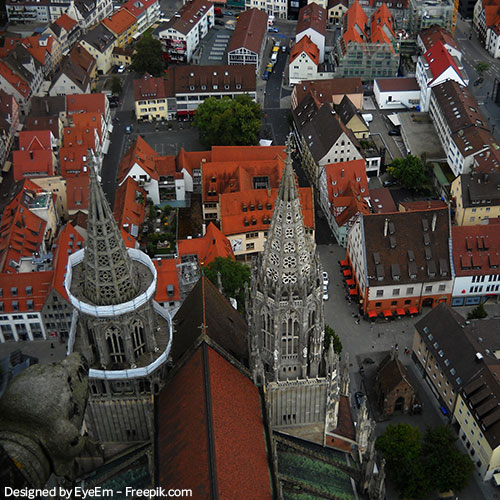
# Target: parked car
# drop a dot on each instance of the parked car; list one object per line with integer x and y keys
{"x": 121, "y": 68}
{"x": 325, "y": 292}
{"x": 325, "y": 278}
{"x": 478, "y": 81}
{"x": 394, "y": 132}
{"x": 228, "y": 13}
{"x": 218, "y": 22}
{"x": 359, "y": 396}
{"x": 273, "y": 30}
{"x": 283, "y": 48}
{"x": 265, "y": 76}
{"x": 128, "y": 129}
{"x": 389, "y": 183}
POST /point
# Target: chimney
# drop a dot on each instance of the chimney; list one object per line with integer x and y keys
{"x": 434, "y": 218}
{"x": 342, "y": 174}
{"x": 386, "y": 225}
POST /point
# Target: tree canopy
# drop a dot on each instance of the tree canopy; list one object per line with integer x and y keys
{"x": 418, "y": 466}
{"x": 148, "y": 56}
{"x": 116, "y": 85}
{"x": 228, "y": 122}
{"x": 409, "y": 171}
{"x": 331, "y": 336}
{"x": 482, "y": 67}
{"x": 233, "y": 274}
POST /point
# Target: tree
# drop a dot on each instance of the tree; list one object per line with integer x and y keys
{"x": 448, "y": 468}
{"x": 478, "y": 312}
{"x": 409, "y": 171}
{"x": 233, "y": 274}
{"x": 331, "y": 336}
{"x": 148, "y": 56}
{"x": 402, "y": 445}
{"x": 116, "y": 85}
{"x": 482, "y": 67}
{"x": 228, "y": 122}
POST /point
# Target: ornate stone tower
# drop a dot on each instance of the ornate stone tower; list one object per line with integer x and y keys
{"x": 286, "y": 321}
{"x": 117, "y": 326}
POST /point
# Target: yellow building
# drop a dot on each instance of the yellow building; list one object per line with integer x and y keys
{"x": 150, "y": 96}
{"x": 476, "y": 198}
{"x": 123, "y": 25}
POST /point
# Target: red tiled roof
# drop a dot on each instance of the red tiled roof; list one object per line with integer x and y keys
{"x": 167, "y": 275}
{"x": 312, "y": 16}
{"x": 306, "y": 45}
{"x": 31, "y": 291}
{"x": 439, "y": 60}
{"x": 68, "y": 241}
{"x": 407, "y": 206}
{"x": 382, "y": 201}
{"x": 137, "y": 7}
{"x": 32, "y": 45}
{"x": 77, "y": 193}
{"x": 149, "y": 87}
{"x": 476, "y": 247}
{"x": 88, "y": 121}
{"x": 397, "y": 84}
{"x": 233, "y": 218}
{"x": 188, "y": 16}
{"x": 15, "y": 80}
{"x": 51, "y": 123}
{"x": 73, "y": 160}
{"x": 21, "y": 231}
{"x": 35, "y": 140}
{"x": 66, "y": 22}
{"x": 80, "y": 136}
{"x": 76, "y": 103}
{"x": 192, "y": 159}
{"x": 33, "y": 163}
{"x": 129, "y": 209}
{"x": 213, "y": 244}
{"x": 141, "y": 153}
{"x": 356, "y": 24}
{"x": 224, "y": 442}
{"x": 165, "y": 166}
{"x": 236, "y": 153}
{"x": 431, "y": 35}
{"x": 250, "y": 31}
{"x": 120, "y": 21}
{"x": 81, "y": 57}
{"x": 340, "y": 175}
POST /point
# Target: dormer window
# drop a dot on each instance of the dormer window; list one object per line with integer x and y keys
{"x": 191, "y": 87}
{"x": 203, "y": 87}
{"x": 238, "y": 86}
{"x": 216, "y": 87}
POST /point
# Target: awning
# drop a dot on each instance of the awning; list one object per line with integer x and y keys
{"x": 413, "y": 310}
{"x": 105, "y": 146}
{"x": 344, "y": 263}
{"x": 353, "y": 291}
{"x": 387, "y": 313}
{"x": 372, "y": 314}
{"x": 350, "y": 282}
{"x": 394, "y": 119}
{"x": 347, "y": 272}
{"x": 400, "y": 312}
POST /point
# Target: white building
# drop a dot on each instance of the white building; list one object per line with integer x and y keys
{"x": 396, "y": 93}
{"x": 303, "y": 62}
{"x": 312, "y": 23}
{"x": 492, "y": 43}
{"x": 276, "y": 8}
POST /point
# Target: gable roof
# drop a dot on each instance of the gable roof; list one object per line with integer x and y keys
{"x": 31, "y": 291}
{"x": 81, "y": 57}
{"x": 130, "y": 206}
{"x": 77, "y": 192}
{"x": 205, "y": 305}
{"x": 66, "y": 22}
{"x": 141, "y": 153}
{"x": 312, "y": 16}
{"x": 439, "y": 60}
{"x": 149, "y": 87}
{"x": 390, "y": 373}
{"x": 119, "y": 21}
{"x": 305, "y": 44}
{"x": 397, "y": 84}
{"x": 217, "y": 430}
{"x": 74, "y": 72}
{"x": 99, "y": 37}
{"x": 250, "y": 31}
{"x": 433, "y": 34}
{"x": 73, "y": 161}
{"x": 51, "y": 123}
{"x": 91, "y": 103}
{"x": 324, "y": 90}
{"x": 188, "y": 16}
{"x": 33, "y": 163}
{"x": 137, "y": 7}
{"x": 15, "y": 80}
{"x": 346, "y": 110}
{"x": 212, "y": 245}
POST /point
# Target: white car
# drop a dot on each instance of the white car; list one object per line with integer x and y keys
{"x": 325, "y": 292}
{"x": 325, "y": 278}
{"x": 121, "y": 68}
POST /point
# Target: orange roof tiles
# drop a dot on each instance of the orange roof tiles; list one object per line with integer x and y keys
{"x": 439, "y": 60}
{"x": 15, "y": 80}
{"x": 191, "y": 160}
{"x": 24, "y": 292}
{"x": 30, "y": 140}
{"x": 66, "y": 22}
{"x": 68, "y": 241}
{"x": 165, "y": 166}
{"x": 141, "y": 153}
{"x": 33, "y": 163}
{"x": 167, "y": 276}
{"x": 137, "y": 8}
{"x": 130, "y": 205}
{"x": 236, "y": 221}
{"x": 119, "y": 22}
{"x": 73, "y": 160}
{"x": 82, "y": 58}
{"x": 236, "y": 461}
{"x": 128, "y": 239}
{"x": 88, "y": 121}
{"x": 213, "y": 244}
{"x": 21, "y": 231}
{"x": 481, "y": 244}
{"x": 76, "y": 103}
{"x": 32, "y": 45}
{"x": 356, "y": 23}
{"x": 431, "y": 35}
{"x": 83, "y": 137}
{"x": 312, "y": 16}
{"x": 77, "y": 193}
{"x": 236, "y": 153}
{"x": 149, "y": 87}
{"x": 306, "y": 45}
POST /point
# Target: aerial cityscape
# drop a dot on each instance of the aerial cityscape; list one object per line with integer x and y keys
{"x": 250, "y": 250}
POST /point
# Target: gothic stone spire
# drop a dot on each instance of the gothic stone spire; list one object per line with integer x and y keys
{"x": 289, "y": 252}
{"x": 110, "y": 277}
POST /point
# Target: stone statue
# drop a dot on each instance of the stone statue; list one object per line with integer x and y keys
{"x": 41, "y": 415}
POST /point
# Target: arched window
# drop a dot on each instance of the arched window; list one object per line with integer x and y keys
{"x": 115, "y": 345}
{"x": 138, "y": 342}
{"x": 289, "y": 337}
{"x": 268, "y": 332}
